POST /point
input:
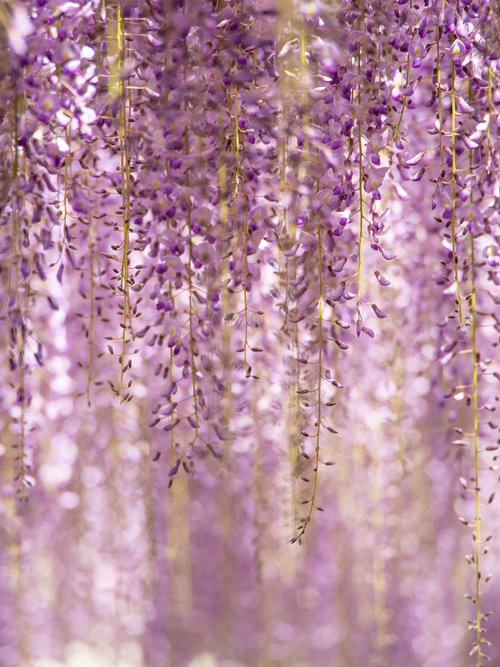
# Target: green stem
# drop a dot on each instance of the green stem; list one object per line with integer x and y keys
{"x": 312, "y": 502}
{"x": 475, "y": 430}
{"x": 361, "y": 212}
{"x": 360, "y": 166}
{"x": 440, "y": 97}
{"x": 124, "y": 282}
{"x": 475, "y": 407}
{"x": 92, "y": 305}
{"x": 454, "y": 191}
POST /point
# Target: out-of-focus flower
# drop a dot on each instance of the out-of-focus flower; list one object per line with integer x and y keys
{"x": 18, "y": 26}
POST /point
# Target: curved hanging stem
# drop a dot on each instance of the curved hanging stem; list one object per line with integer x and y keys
{"x": 312, "y": 502}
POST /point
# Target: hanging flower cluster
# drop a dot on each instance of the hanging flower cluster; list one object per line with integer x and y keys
{"x": 248, "y": 315}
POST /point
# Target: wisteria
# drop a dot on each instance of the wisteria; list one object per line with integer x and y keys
{"x": 249, "y": 328}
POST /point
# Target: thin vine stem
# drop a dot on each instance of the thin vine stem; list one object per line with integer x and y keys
{"x": 454, "y": 192}
{"x": 360, "y": 176}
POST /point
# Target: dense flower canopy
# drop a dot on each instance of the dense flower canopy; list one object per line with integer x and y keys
{"x": 249, "y": 330}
